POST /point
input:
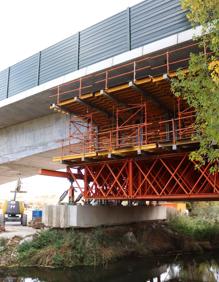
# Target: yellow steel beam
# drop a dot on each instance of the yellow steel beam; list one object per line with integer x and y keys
{"x": 178, "y": 143}
{"x": 123, "y": 151}
{"x": 134, "y": 149}
{"x": 112, "y": 89}
{"x": 120, "y": 152}
{"x": 74, "y": 157}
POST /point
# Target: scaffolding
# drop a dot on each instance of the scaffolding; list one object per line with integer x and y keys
{"x": 134, "y": 133}
{"x": 161, "y": 62}
{"x": 129, "y": 136}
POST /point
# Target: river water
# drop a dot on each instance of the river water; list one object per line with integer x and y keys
{"x": 173, "y": 269}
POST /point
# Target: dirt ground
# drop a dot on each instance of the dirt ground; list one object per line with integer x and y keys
{"x": 16, "y": 229}
{"x": 13, "y": 229}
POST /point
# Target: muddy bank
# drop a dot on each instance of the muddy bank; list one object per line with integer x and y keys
{"x": 67, "y": 248}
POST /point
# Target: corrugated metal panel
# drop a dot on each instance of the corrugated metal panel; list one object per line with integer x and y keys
{"x": 104, "y": 40}
{"x": 23, "y": 75}
{"x": 153, "y": 20}
{"x": 146, "y": 22}
{"x": 59, "y": 59}
{"x": 3, "y": 83}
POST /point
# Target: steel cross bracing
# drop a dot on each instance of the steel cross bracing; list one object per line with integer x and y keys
{"x": 129, "y": 136}
{"x": 165, "y": 177}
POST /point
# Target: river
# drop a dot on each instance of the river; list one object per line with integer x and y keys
{"x": 163, "y": 269}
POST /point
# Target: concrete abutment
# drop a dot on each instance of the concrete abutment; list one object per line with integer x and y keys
{"x": 65, "y": 216}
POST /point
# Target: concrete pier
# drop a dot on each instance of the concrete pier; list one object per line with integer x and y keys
{"x": 64, "y": 216}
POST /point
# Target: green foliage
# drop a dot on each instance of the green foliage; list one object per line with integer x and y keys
{"x": 58, "y": 260}
{"x": 3, "y": 242}
{"x": 24, "y": 247}
{"x": 78, "y": 245}
{"x": 25, "y": 256}
{"x": 206, "y": 14}
{"x": 200, "y": 85}
{"x": 67, "y": 248}
{"x": 195, "y": 227}
{"x": 203, "y": 224}
{"x": 43, "y": 239}
{"x": 208, "y": 211}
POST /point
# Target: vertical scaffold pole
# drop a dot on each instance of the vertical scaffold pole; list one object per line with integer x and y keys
{"x": 85, "y": 183}
{"x": 130, "y": 177}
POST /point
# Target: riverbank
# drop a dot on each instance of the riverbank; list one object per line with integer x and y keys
{"x": 68, "y": 248}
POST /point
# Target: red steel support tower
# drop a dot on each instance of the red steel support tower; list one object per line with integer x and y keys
{"x": 129, "y": 136}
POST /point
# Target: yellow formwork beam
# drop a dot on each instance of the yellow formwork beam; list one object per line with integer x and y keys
{"x": 116, "y": 88}
{"x": 122, "y": 151}
{"x": 74, "y": 157}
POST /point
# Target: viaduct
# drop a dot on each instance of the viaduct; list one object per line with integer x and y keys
{"x": 100, "y": 104}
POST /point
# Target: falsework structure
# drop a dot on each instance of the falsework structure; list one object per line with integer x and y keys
{"x": 129, "y": 136}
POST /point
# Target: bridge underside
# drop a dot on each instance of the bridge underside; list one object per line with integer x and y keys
{"x": 130, "y": 137}
{"x": 28, "y": 166}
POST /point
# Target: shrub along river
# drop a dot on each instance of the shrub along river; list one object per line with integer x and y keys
{"x": 176, "y": 268}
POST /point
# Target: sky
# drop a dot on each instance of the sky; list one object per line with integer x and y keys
{"x": 28, "y": 26}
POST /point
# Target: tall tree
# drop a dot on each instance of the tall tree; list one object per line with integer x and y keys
{"x": 200, "y": 85}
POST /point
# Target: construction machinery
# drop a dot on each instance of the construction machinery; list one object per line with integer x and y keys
{"x": 14, "y": 210}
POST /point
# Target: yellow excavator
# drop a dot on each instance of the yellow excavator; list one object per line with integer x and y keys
{"x": 14, "y": 210}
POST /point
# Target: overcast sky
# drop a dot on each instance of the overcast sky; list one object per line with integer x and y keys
{"x": 28, "y": 26}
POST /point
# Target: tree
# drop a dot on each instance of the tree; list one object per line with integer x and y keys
{"x": 200, "y": 85}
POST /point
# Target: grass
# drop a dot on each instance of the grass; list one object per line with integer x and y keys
{"x": 3, "y": 246}
{"x": 69, "y": 248}
{"x": 197, "y": 227}
{"x": 3, "y": 242}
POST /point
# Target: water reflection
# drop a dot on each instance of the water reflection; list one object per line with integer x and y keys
{"x": 159, "y": 270}
{"x": 193, "y": 271}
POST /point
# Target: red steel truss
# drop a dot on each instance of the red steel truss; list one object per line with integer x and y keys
{"x": 165, "y": 177}
{"x": 123, "y": 121}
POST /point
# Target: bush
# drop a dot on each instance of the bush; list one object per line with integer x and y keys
{"x": 3, "y": 242}
{"x": 196, "y": 227}
{"x": 65, "y": 248}
{"x": 69, "y": 248}
{"x": 43, "y": 239}
{"x": 58, "y": 260}
{"x": 50, "y": 239}
{"x": 207, "y": 212}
